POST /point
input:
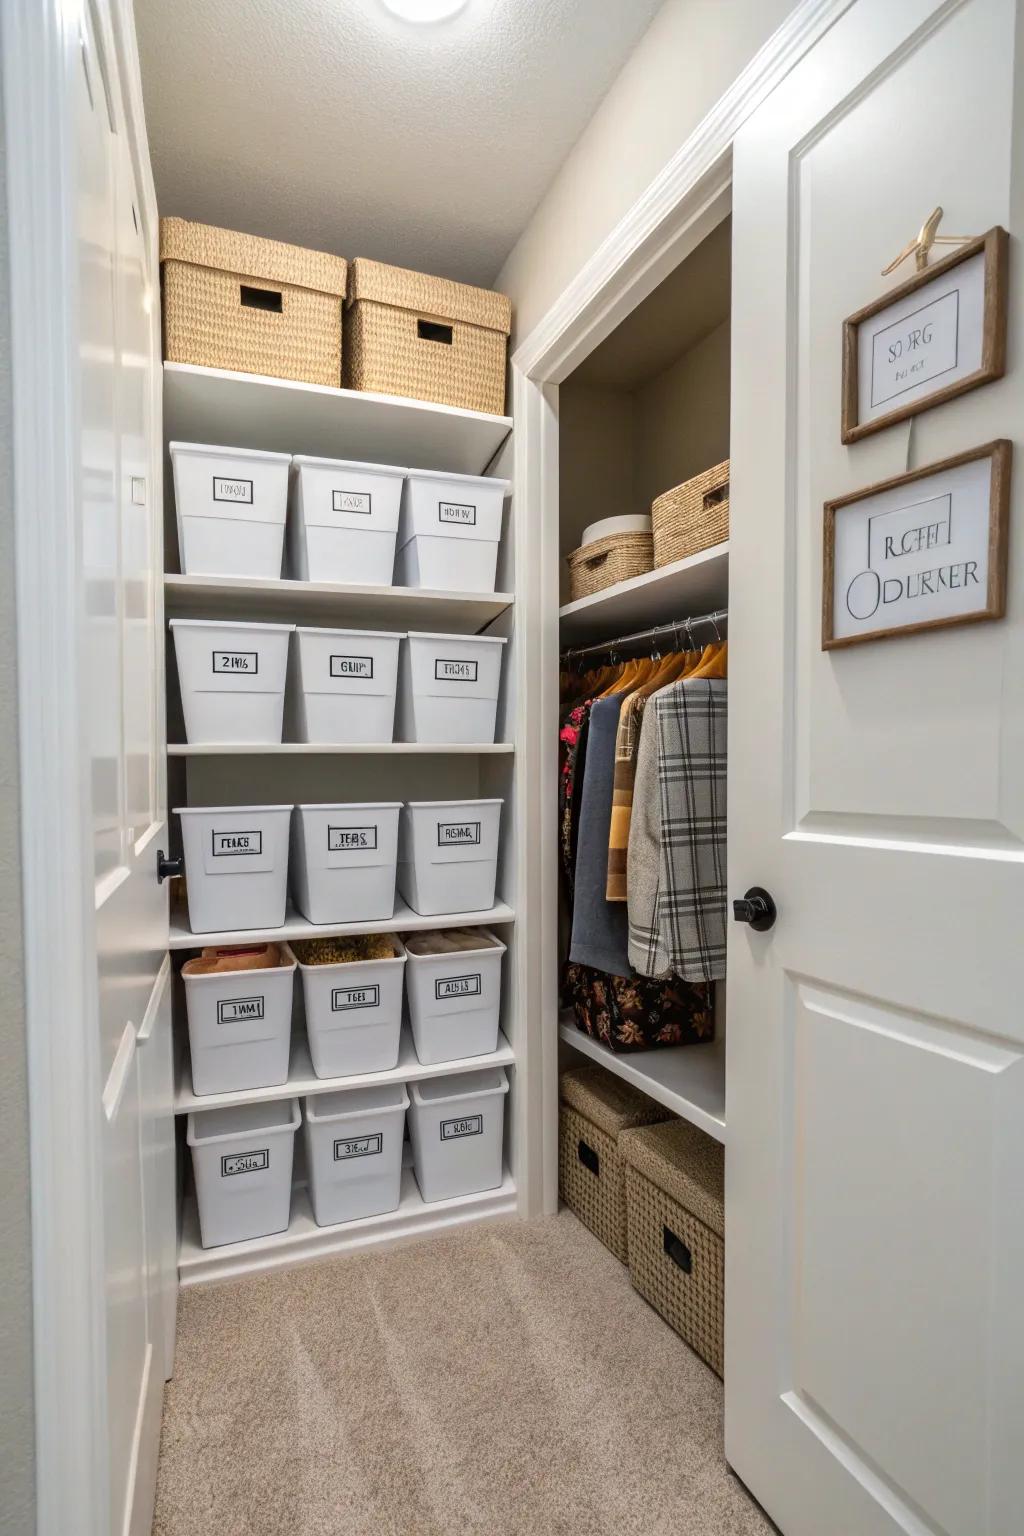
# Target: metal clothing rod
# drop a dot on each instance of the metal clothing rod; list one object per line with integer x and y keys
{"x": 678, "y": 628}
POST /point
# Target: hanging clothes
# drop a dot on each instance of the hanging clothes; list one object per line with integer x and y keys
{"x": 677, "y": 841}
{"x": 600, "y": 929}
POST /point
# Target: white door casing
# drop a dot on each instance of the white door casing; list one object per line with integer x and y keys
{"x": 875, "y": 1163}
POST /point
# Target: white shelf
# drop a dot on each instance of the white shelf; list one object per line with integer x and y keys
{"x": 303, "y": 1081}
{"x": 682, "y": 590}
{"x": 338, "y": 749}
{"x": 327, "y": 603}
{"x": 304, "y": 1240}
{"x": 688, "y": 1079}
{"x": 405, "y": 920}
{"x": 246, "y": 410}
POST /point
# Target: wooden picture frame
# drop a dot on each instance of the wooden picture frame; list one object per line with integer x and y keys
{"x": 977, "y": 324}
{"x": 927, "y": 541}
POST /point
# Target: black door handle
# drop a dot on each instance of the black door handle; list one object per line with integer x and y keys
{"x": 167, "y": 868}
{"x": 756, "y": 908}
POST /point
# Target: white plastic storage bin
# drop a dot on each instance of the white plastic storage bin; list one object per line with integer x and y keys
{"x": 456, "y": 1126}
{"x": 242, "y": 1162}
{"x": 354, "y": 1013}
{"x": 343, "y": 685}
{"x": 449, "y": 687}
{"x": 344, "y": 521}
{"x": 231, "y": 505}
{"x": 236, "y": 865}
{"x": 448, "y": 855}
{"x": 449, "y": 531}
{"x": 239, "y": 1026}
{"x": 354, "y": 1152}
{"x": 455, "y": 998}
{"x": 344, "y": 860}
{"x": 232, "y": 679}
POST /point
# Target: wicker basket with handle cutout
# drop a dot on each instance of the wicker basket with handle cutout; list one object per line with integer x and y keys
{"x": 606, "y": 561}
{"x": 692, "y": 516}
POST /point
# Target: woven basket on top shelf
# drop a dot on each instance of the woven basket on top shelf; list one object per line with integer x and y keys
{"x": 691, "y": 517}
{"x": 248, "y": 305}
{"x": 427, "y": 338}
{"x": 606, "y": 561}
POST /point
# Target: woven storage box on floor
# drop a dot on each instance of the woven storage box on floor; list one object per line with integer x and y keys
{"x": 251, "y": 306}
{"x": 675, "y": 1200}
{"x": 594, "y": 1107}
{"x": 426, "y": 337}
{"x": 601, "y": 564}
{"x": 692, "y": 517}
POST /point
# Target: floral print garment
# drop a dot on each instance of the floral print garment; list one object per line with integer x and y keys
{"x": 571, "y": 752}
{"x": 637, "y": 1013}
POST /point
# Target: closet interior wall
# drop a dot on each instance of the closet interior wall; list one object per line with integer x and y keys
{"x": 645, "y": 411}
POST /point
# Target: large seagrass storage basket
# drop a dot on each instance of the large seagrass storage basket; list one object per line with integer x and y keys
{"x": 426, "y": 337}
{"x": 692, "y": 517}
{"x": 594, "y": 1108}
{"x": 249, "y": 305}
{"x": 606, "y": 561}
{"x": 675, "y": 1200}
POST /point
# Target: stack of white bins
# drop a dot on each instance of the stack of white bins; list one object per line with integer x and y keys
{"x": 354, "y": 523}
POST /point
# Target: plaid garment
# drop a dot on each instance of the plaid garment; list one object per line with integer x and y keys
{"x": 678, "y": 923}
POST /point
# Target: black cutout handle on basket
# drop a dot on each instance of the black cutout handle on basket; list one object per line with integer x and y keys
{"x": 261, "y": 298}
{"x": 717, "y": 496}
{"x": 588, "y": 1157}
{"x": 431, "y": 330}
{"x": 677, "y": 1250}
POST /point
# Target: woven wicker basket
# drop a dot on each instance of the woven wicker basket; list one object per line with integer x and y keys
{"x": 675, "y": 1201}
{"x": 693, "y": 516}
{"x": 595, "y": 1106}
{"x": 426, "y": 337}
{"x": 252, "y": 306}
{"x": 601, "y": 564}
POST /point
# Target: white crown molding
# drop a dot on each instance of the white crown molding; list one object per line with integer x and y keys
{"x": 646, "y": 232}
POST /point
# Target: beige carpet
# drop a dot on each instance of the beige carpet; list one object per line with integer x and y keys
{"x": 503, "y": 1381}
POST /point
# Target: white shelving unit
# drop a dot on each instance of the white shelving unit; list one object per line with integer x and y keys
{"x": 339, "y": 749}
{"x": 684, "y": 589}
{"x": 247, "y": 410}
{"x": 331, "y": 603}
{"x": 211, "y": 406}
{"x": 303, "y": 1081}
{"x": 688, "y": 1079}
{"x": 304, "y": 1240}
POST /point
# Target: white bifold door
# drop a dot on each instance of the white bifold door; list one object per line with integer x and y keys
{"x": 875, "y": 1163}
{"x": 119, "y": 688}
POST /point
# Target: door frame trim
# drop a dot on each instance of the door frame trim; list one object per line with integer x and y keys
{"x": 41, "y": 50}
{"x": 675, "y": 212}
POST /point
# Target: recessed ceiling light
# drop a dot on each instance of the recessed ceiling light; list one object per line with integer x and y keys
{"x": 424, "y": 10}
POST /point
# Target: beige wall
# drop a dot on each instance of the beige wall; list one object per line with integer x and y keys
{"x": 688, "y": 57}
{"x": 682, "y": 419}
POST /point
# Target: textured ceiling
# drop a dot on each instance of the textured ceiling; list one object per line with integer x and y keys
{"x": 332, "y": 124}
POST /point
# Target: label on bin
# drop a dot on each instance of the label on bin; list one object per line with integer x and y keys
{"x": 455, "y": 671}
{"x": 231, "y": 490}
{"x": 351, "y": 501}
{"x": 230, "y": 845}
{"x": 456, "y": 512}
{"x": 236, "y": 661}
{"x": 344, "y": 998}
{"x": 350, "y": 839}
{"x": 452, "y": 833}
{"x": 351, "y": 666}
{"x": 244, "y": 1162}
{"x": 458, "y": 986}
{"x": 469, "y": 1125}
{"x": 232, "y": 1010}
{"x": 358, "y": 1146}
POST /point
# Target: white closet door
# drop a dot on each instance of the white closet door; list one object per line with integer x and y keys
{"x": 119, "y": 684}
{"x": 875, "y": 1160}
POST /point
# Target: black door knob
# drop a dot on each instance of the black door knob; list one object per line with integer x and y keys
{"x": 167, "y": 868}
{"x": 756, "y": 908}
